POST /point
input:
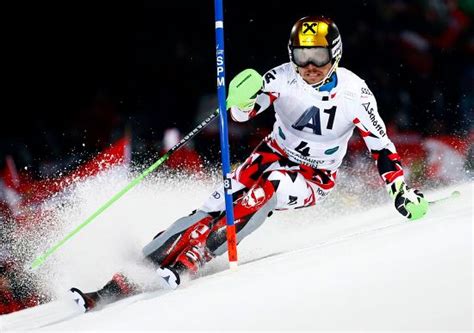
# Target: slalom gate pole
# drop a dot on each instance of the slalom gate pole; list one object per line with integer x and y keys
{"x": 224, "y": 136}
{"x": 40, "y": 260}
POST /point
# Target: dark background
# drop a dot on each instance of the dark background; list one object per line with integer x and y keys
{"x": 77, "y": 74}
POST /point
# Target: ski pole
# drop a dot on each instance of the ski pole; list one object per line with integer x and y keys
{"x": 241, "y": 88}
{"x": 454, "y": 194}
{"x": 40, "y": 260}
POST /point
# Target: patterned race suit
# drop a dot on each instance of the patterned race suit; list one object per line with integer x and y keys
{"x": 294, "y": 167}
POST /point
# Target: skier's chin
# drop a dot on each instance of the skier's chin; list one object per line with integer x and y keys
{"x": 313, "y": 78}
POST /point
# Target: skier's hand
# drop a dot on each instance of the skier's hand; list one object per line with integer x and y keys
{"x": 409, "y": 202}
{"x": 243, "y": 89}
{"x": 247, "y": 105}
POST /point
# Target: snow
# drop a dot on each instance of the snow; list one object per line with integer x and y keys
{"x": 358, "y": 269}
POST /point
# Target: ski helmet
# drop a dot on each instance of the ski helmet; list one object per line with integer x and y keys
{"x": 316, "y": 40}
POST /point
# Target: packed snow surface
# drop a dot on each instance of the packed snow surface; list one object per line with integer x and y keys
{"x": 321, "y": 268}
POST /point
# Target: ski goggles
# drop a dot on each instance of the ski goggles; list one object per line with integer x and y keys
{"x": 318, "y": 56}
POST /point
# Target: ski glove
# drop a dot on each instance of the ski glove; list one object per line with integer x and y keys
{"x": 247, "y": 105}
{"x": 409, "y": 202}
{"x": 243, "y": 89}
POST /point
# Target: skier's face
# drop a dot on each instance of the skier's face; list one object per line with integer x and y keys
{"x": 313, "y": 74}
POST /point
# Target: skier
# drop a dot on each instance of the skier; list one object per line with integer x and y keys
{"x": 317, "y": 106}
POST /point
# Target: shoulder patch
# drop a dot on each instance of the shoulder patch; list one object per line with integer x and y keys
{"x": 350, "y": 95}
{"x": 269, "y": 76}
{"x": 366, "y": 91}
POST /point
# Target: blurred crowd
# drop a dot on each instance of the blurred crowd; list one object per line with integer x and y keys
{"x": 416, "y": 56}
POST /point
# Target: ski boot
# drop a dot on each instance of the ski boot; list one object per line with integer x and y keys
{"x": 191, "y": 258}
{"x": 117, "y": 288}
{"x": 85, "y": 301}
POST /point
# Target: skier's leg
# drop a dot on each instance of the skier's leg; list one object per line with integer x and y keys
{"x": 183, "y": 246}
{"x": 277, "y": 190}
{"x": 302, "y": 188}
{"x": 162, "y": 250}
{"x": 267, "y": 180}
{"x": 244, "y": 179}
{"x": 264, "y": 173}
{"x": 201, "y": 236}
{"x": 168, "y": 244}
{"x": 250, "y": 211}
{"x": 294, "y": 188}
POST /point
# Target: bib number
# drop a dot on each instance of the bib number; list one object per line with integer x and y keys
{"x": 311, "y": 118}
{"x": 302, "y": 149}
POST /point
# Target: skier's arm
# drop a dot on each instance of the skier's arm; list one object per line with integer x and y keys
{"x": 408, "y": 202}
{"x": 372, "y": 129}
{"x": 261, "y": 102}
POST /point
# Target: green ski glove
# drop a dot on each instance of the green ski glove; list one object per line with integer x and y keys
{"x": 409, "y": 202}
{"x": 243, "y": 89}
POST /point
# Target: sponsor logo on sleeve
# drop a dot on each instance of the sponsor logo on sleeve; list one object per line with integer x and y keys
{"x": 366, "y": 91}
{"x": 269, "y": 76}
{"x": 373, "y": 119}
